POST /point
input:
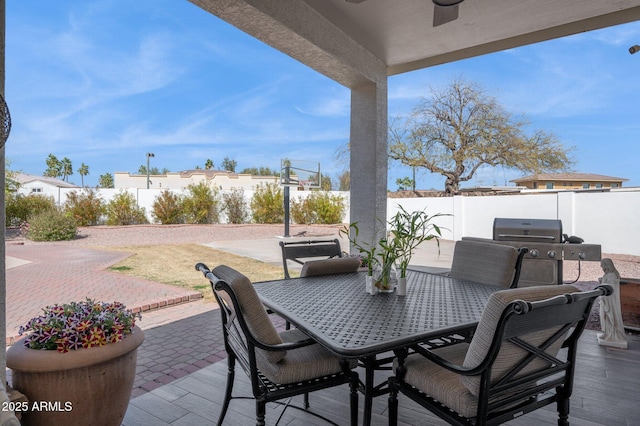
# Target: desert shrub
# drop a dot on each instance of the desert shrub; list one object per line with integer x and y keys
{"x": 51, "y": 225}
{"x": 267, "y": 204}
{"x": 319, "y": 207}
{"x": 19, "y": 208}
{"x": 86, "y": 206}
{"x": 123, "y": 210}
{"x": 168, "y": 208}
{"x": 235, "y": 206}
{"x": 201, "y": 204}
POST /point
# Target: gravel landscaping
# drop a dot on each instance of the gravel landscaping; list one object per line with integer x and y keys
{"x": 117, "y": 236}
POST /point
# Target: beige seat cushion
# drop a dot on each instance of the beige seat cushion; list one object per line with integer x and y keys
{"x": 484, "y": 263}
{"x": 440, "y": 383}
{"x": 252, "y": 309}
{"x": 509, "y": 354}
{"x": 300, "y": 364}
{"x": 338, "y": 265}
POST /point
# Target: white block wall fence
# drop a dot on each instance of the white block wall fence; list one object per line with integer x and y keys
{"x": 609, "y": 218}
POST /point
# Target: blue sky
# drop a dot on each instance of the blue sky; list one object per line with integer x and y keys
{"x": 106, "y": 81}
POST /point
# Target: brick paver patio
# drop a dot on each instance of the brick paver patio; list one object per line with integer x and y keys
{"x": 58, "y": 273}
{"x": 180, "y": 337}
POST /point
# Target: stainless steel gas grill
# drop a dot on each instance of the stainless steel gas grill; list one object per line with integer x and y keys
{"x": 547, "y": 245}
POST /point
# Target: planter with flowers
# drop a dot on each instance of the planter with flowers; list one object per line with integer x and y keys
{"x": 77, "y": 364}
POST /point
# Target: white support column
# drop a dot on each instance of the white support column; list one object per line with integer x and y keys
{"x": 7, "y": 417}
{"x": 3, "y": 265}
{"x": 368, "y": 147}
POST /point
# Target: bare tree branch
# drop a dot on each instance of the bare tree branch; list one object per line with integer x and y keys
{"x": 460, "y": 128}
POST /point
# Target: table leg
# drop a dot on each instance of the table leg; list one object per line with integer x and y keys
{"x": 369, "y": 366}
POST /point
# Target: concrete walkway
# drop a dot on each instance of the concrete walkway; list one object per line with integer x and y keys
{"x": 268, "y": 250}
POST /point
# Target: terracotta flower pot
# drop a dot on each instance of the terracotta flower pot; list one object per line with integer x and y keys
{"x": 630, "y": 303}
{"x": 81, "y": 387}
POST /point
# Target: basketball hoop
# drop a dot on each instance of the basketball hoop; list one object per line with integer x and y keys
{"x": 300, "y": 174}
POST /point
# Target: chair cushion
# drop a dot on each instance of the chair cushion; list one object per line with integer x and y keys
{"x": 485, "y": 263}
{"x": 338, "y": 265}
{"x": 252, "y": 309}
{"x": 300, "y": 364}
{"x": 440, "y": 383}
{"x": 509, "y": 354}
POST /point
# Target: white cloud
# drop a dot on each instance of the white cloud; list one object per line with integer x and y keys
{"x": 336, "y": 104}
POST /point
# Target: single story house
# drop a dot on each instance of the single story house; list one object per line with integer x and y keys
{"x": 41, "y": 185}
{"x": 569, "y": 181}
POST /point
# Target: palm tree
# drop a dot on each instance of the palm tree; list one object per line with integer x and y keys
{"x": 54, "y": 167}
{"x": 229, "y": 165}
{"x": 208, "y": 165}
{"x": 83, "y": 171}
{"x": 67, "y": 168}
{"x": 106, "y": 180}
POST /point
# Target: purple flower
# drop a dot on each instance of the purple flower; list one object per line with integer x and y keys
{"x": 79, "y": 324}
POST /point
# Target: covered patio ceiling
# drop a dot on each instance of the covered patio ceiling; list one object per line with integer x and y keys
{"x": 332, "y": 36}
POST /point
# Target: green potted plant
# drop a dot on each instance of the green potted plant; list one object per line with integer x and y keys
{"x": 79, "y": 360}
{"x": 367, "y": 252}
{"x": 408, "y": 230}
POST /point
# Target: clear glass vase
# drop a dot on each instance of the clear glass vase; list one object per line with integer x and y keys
{"x": 385, "y": 278}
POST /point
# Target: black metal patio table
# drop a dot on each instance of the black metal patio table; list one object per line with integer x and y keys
{"x": 336, "y": 311}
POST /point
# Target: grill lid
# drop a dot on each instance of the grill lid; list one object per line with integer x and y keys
{"x": 538, "y": 230}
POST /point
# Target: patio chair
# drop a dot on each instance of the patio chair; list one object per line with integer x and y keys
{"x": 279, "y": 365}
{"x": 303, "y": 251}
{"x": 512, "y": 366}
{"x": 487, "y": 263}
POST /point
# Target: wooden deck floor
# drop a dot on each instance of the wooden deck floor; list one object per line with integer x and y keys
{"x": 606, "y": 392}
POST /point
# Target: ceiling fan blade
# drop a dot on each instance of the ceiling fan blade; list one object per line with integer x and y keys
{"x": 444, "y": 14}
{"x": 355, "y": 1}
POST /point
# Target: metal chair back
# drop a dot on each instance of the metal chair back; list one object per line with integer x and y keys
{"x": 302, "y": 251}
{"x": 487, "y": 263}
